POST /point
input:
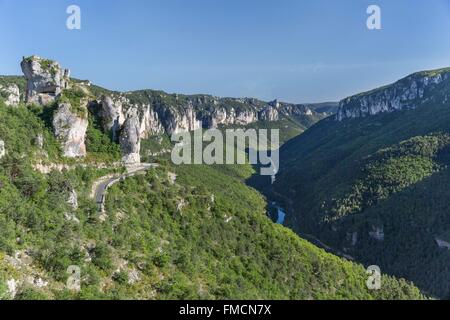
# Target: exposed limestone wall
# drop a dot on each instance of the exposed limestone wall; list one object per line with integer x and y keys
{"x": 130, "y": 140}
{"x": 70, "y": 129}
{"x": 407, "y": 93}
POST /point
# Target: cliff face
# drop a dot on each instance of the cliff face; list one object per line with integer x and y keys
{"x": 181, "y": 120}
{"x": 130, "y": 140}
{"x": 407, "y": 93}
{"x": 269, "y": 113}
{"x": 70, "y": 128}
{"x": 112, "y": 116}
{"x": 156, "y": 112}
{"x": 132, "y": 116}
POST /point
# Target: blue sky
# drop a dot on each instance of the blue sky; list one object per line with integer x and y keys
{"x": 293, "y": 50}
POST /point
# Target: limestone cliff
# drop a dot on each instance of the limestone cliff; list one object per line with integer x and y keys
{"x": 132, "y": 116}
{"x": 112, "y": 116}
{"x": 70, "y": 129}
{"x": 130, "y": 140}
{"x": 408, "y": 93}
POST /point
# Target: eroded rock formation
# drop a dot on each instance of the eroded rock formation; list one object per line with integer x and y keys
{"x": 269, "y": 113}
{"x": 132, "y": 116}
{"x": 112, "y": 116}
{"x": 45, "y": 79}
{"x": 130, "y": 140}
{"x": 70, "y": 129}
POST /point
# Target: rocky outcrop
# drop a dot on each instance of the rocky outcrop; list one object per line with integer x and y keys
{"x": 70, "y": 129}
{"x": 246, "y": 117}
{"x": 175, "y": 113}
{"x": 11, "y": 94}
{"x": 275, "y": 104}
{"x": 45, "y": 79}
{"x": 112, "y": 116}
{"x": 130, "y": 140}
{"x": 151, "y": 123}
{"x": 25, "y": 275}
{"x": 269, "y": 113}
{"x": 131, "y": 116}
{"x": 223, "y": 116}
{"x": 295, "y": 110}
{"x": 219, "y": 116}
{"x": 181, "y": 120}
{"x": 115, "y": 109}
{"x": 407, "y": 93}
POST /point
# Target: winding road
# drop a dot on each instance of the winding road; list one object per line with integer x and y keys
{"x": 101, "y": 186}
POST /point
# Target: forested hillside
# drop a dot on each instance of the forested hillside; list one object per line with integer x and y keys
{"x": 375, "y": 185}
{"x": 174, "y": 232}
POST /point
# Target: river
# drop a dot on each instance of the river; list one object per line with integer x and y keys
{"x": 281, "y": 213}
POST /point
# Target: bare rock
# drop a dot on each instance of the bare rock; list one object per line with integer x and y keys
{"x": 246, "y": 117}
{"x": 112, "y": 116}
{"x": 177, "y": 121}
{"x": 405, "y": 94}
{"x": 269, "y": 113}
{"x": 70, "y": 128}
{"x": 45, "y": 79}
{"x": 130, "y": 140}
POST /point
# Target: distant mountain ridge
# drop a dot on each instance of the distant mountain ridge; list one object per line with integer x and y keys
{"x": 327, "y": 108}
{"x": 407, "y": 93}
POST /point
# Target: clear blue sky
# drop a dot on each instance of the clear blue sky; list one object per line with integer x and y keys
{"x": 294, "y": 50}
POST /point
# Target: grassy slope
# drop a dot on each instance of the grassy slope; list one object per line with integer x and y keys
{"x": 387, "y": 170}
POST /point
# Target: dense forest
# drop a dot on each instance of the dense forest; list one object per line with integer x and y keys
{"x": 376, "y": 187}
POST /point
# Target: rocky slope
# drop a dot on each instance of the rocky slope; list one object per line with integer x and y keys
{"x": 408, "y": 93}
